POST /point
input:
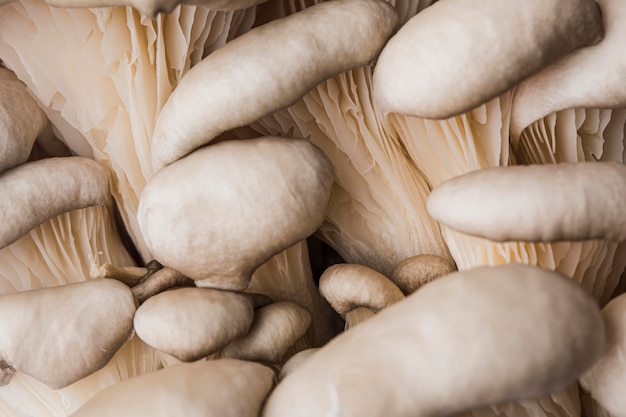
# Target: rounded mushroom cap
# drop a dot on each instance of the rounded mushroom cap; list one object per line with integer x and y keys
{"x": 222, "y": 211}
{"x": 295, "y": 361}
{"x": 349, "y": 286}
{"x": 275, "y": 329}
{"x": 190, "y": 323}
{"x": 413, "y": 272}
{"x": 60, "y": 335}
{"x": 216, "y": 388}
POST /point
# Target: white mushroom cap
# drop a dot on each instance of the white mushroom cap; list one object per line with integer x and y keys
{"x": 418, "y": 270}
{"x": 217, "y": 388}
{"x": 62, "y": 334}
{"x": 190, "y": 323}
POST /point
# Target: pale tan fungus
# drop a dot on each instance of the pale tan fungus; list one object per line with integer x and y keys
{"x": 416, "y": 271}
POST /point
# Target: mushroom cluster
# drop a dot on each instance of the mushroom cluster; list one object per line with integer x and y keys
{"x": 312, "y": 208}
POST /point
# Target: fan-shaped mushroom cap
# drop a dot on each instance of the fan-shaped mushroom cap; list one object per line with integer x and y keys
{"x": 266, "y": 69}
{"x": 275, "y": 329}
{"x": 537, "y": 203}
{"x": 224, "y": 210}
{"x": 190, "y": 323}
{"x": 418, "y": 270}
{"x": 35, "y": 192}
{"x": 458, "y": 54}
{"x": 217, "y": 388}
{"x": 62, "y": 334}
{"x": 477, "y": 337}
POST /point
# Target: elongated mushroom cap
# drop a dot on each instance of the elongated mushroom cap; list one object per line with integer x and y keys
{"x": 190, "y": 323}
{"x": 477, "y": 337}
{"x": 350, "y": 286}
{"x": 537, "y": 203}
{"x": 418, "y": 270}
{"x": 60, "y": 335}
{"x": 216, "y": 388}
{"x": 275, "y": 329}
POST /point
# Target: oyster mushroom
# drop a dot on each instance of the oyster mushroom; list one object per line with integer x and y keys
{"x": 416, "y": 271}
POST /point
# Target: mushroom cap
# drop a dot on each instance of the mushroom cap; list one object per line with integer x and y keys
{"x": 477, "y": 337}
{"x": 413, "y": 272}
{"x": 221, "y": 212}
{"x": 276, "y": 327}
{"x": 216, "y": 388}
{"x": 349, "y": 286}
{"x": 537, "y": 203}
{"x": 62, "y": 334}
{"x": 190, "y": 323}
{"x": 295, "y": 361}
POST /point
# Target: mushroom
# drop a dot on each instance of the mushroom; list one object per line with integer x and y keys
{"x": 295, "y": 361}
{"x": 538, "y": 203}
{"x": 276, "y": 327}
{"x": 191, "y": 323}
{"x": 476, "y": 337}
{"x": 577, "y": 79}
{"x": 606, "y": 380}
{"x": 416, "y": 271}
{"x": 159, "y": 281}
{"x": 323, "y": 40}
{"x": 224, "y": 210}
{"x": 62, "y": 334}
{"x": 435, "y": 71}
{"x": 38, "y": 191}
{"x": 351, "y": 288}
{"x": 218, "y": 388}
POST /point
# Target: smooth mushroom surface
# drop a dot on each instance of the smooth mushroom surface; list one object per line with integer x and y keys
{"x": 38, "y": 191}
{"x": 217, "y": 388}
{"x": 536, "y": 203}
{"x": 191, "y": 323}
{"x": 295, "y": 361}
{"x": 458, "y": 54}
{"x": 276, "y": 64}
{"x": 416, "y": 271}
{"x": 224, "y": 210}
{"x": 476, "y": 337}
{"x": 62, "y": 334}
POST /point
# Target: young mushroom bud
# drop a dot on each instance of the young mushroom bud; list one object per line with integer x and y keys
{"x": 472, "y": 338}
{"x": 306, "y": 48}
{"x": 606, "y": 380}
{"x": 537, "y": 203}
{"x": 21, "y": 120}
{"x": 35, "y": 192}
{"x": 416, "y": 271}
{"x": 217, "y": 388}
{"x": 191, "y": 323}
{"x": 456, "y": 54}
{"x": 62, "y": 334}
{"x": 276, "y": 327}
{"x": 222, "y": 211}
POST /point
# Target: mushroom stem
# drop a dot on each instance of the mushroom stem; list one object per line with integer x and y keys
{"x": 358, "y": 315}
{"x": 6, "y": 373}
{"x": 159, "y": 281}
{"x": 129, "y": 275}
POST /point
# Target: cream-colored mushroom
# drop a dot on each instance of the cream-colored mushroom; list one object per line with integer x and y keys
{"x": 62, "y": 334}
{"x": 266, "y": 69}
{"x": 295, "y": 361}
{"x": 537, "y": 203}
{"x": 190, "y": 323}
{"x": 590, "y": 77}
{"x": 483, "y": 336}
{"x": 410, "y": 274}
{"x": 35, "y": 192}
{"x": 276, "y": 327}
{"x": 606, "y": 380}
{"x": 224, "y": 210}
{"x": 218, "y": 388}
{"x": 456, "y": 55}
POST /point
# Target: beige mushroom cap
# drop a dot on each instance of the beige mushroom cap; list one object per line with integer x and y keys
{"x": 60, "y": 335}
{"x": 216, "y": 388}
{"x": 190, "y": 323}
{"x": 410, "y": 274}
{"x": 295, "y": 361}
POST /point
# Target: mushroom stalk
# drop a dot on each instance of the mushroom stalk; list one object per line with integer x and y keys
{"x": 159, "y": 281}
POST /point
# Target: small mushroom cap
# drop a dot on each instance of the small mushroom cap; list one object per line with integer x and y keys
{"x": 477, "y": 337}
{"x": 537, "y": 203}
{"x": 606, "y": 380}
{"x": 275, "y": 329}
{"x": 413, "y": 272}
{"x": 349, "y": 286}
{"x": 190, "y": 323}
{"x": 295, "y": 361}
{"x": 221, "y": 212}
{"x": 38, "y": 191}
{"x": 60, "y": 335}
{"x": 216, "y": 388}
